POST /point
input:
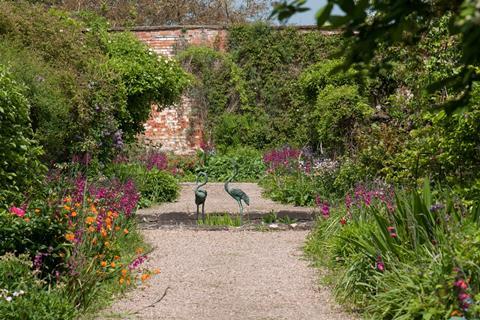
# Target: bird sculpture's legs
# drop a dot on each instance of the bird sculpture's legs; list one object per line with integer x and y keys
{"x": 197, "y": 212}
{"x": 241, "y": 211}
{"x": 203, "y": 212}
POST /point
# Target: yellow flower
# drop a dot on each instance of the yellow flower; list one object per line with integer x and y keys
{"x": 67, "y": 207}
{"x": 121, "y": 281}
{"x": 103, "y": 263}
{"x": 107, "y": 244}
{"x": 70, "y": 237}
{"x": 139, "y": 251}
{"x": 37, "y": 210}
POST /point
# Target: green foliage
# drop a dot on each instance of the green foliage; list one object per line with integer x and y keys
{"x": 155, "y": 186}
{"x": 89, "y": 90}
{"x": 220, "y": 220}
{"x": 20, "y": 168}
{"x": 402, "y": 260}
{"x": 147, "y": 78}
{"x": 338, "y": 112}
{"x": 234, "y": 131}
{"x": 29, "y": 298}
{"x": 254, "y": 85}
{"x": 374, "y": 26}
{"x": 250, "y": 165}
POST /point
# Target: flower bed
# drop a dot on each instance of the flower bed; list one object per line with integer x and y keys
{"x": 70, "y": 248}
{"x": 400, "y": 254}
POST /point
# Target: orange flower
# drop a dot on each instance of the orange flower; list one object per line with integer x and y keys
{"x": 94, "y": 241}
{"x": 456, "y": 313}
{"x": 109, "y": 214}
{"x": 37, "y": 210}
{"x": 128, "y": 281}
{"x": 89, "y": 220}
{"x": 124, "y": 272}
{"x": 93, "y": 209}
{"x": 115, "y": 214}
{"x": 107, "y": 244}
{"x": 116, "y": 257}
{"x": 67, "y": 199}
{"x": 125, "y": 231}
{"x": 145, "y": 277}
{"x": 103, "y": 232}
{"x": 66, "y": 207}
{"x": 74, "y": 213}
{"x": 77, "y": 205}
{"x": 112, "y": 264}
{"x": 91, "y": 229}
{"x": 103, "y": 263}
{"x": 27, "y": 220}
{"x": 139, "y": 251}
{"x": 121, "y": 281}
{"x": 117, "y": 228}
{"x": 156, "y": 271}
{"x": 70, "y": 237}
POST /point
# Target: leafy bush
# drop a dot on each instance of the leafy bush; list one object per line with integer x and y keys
{"x": 20, "y": 169}
{"x": 155, "y": 186}
{"x": 90, "y": 91}
{"x": 23, "y": 296}
{"x": 250, "y": 165}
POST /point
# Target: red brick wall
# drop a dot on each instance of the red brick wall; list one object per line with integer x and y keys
{"x": 171, "y": 128}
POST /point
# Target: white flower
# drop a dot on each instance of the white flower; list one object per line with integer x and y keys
{"x": 19, "y": 293}
{"x": 8, "y": 299}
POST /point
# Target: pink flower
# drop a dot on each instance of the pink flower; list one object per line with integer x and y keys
{"x": 325, "y": 209}
{"x": 393, "y": 235}
{"x": 379, "y": 265}
{"x": 460, "y": 284}
{"x": 391, "y": 229}
{"x": 17, "y": 211}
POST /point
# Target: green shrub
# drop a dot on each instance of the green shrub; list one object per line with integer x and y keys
{"x": 249, "y": 160}
{"x": 29, "y": 297}
{"x": 20, "y": 169}
{"x": 155, "y": 186}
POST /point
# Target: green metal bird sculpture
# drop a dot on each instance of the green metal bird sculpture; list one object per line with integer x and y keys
{"x": 201, "y": 194}
{"x": 237, "y": 194}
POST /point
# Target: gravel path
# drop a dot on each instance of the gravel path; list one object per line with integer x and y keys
{"x": 228, "y": 275}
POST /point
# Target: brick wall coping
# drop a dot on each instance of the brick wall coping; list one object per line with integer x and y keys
{"x": 220, "y": 27}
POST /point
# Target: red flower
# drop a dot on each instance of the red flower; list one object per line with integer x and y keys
{"x": 17, "y": 211}
{"x": 391, "y": 229}
{"x": 393, "y": 235}
{"x": 343, "y": 221}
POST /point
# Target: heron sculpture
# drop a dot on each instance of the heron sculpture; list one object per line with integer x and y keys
{"x": 201, "y": 194}
{"x": 237, "y": 194}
